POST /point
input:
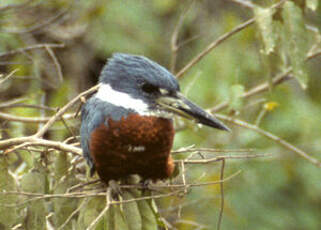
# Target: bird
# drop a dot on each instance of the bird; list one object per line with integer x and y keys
{"x": 127, "y": 125}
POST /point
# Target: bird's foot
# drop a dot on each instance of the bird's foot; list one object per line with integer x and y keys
{"x": 115, "y": 188}
{"x": 146, "y": 184}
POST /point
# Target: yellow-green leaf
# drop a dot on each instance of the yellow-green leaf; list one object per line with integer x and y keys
{"x": 312, "y": 4}
{"x": 90, "y": 212}
{"x": 35, "y": 182}
{"x": 131, "y": 212}
{"x": 236, "y": 101}
{"x": 265, "y": 23}
{"x": 296, "y": 40}
{"x": 116, "y": 220}
{"x": 8, "y": 215}
{"x": 149, "y": 219}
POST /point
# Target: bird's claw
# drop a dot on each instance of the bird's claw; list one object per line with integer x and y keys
{"x": 115, "y": 188}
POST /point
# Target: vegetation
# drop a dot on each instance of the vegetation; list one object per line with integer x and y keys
{"x": 255, "y": 64}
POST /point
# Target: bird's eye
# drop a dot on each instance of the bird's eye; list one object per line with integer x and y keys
{"x": 149, "y": 88}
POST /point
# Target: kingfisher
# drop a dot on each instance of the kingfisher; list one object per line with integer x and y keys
{"x": 127, "y": 126}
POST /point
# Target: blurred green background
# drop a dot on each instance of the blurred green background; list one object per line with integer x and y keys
{"x": 279, "y": 192}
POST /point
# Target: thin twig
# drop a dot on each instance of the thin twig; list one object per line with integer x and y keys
{"x": 280, "y": 78}
{"x": 57, "y": 116}
{"x": 8, "y": 76}
{"x": 244, "y": 3}
{"x": 44, "y": 23}
{"x": 72, "y": 214}
{"x": 210, "y": 150}
{"x": 22, "y": 105}
{"x": 33, "y": 141}
{"x": 32, "y": 47}
{"x": 174, "y": 37}
{"x": 56, "y": 63}
{"x": 15, "y": 6}
{"x": 183, "y": 176}
{"x": 273, "y": 137}
{"x": 108, "y": 197}
{"x": 214, "y": 44}
{"x": 222, "y": 195}
{"x": 15, "y": 118}
{"x": 179, "y": 187}
{"x": 219, "y": 158}
{"x": 9, "y": 103}
{"x": 218, "y": 41}
{"x": 257, "y": 89}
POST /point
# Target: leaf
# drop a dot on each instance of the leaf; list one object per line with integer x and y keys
{"x": 90, "y": 212}
{"x": 61, "y": 165}
{"x": 63, "y": 180}
{"x": 131, "y": 212}
{"x": 265, "y": 23}
{"x": 296, "y": 40}
{"x": 35, "y": 182}
{"x": 312, "y": 4}
{"x": 116, "y": 220}
{"x": 8, "y": 215}
{"x": 149, "y": 219}
{"x": 236, "y": 100}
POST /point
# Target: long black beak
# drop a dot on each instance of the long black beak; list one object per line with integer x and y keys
{"x": 180, "y": 105}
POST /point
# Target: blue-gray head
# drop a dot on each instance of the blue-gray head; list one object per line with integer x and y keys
{"x": 137, "y": 83}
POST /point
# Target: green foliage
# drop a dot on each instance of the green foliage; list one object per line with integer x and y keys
{"x": 296, "y": 40}
{"x": 236, "y": 101}
{"x": 90, "y": 211}
{"x": 9, "y": 215}
{"x": 265, "y": 23}
{"x": 63, "y": 180}
{"x": 35, "y": 182}
{"x": 312, "y": 4}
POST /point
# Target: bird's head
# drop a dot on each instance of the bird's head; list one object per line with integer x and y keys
{"x": 137, "y": 83}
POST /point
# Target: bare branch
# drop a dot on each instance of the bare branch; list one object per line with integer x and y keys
{"x": 28, "y": 48}
{"x": 108, "y": 199}
{"x": 15, "y": 104}
{"x": 218, "y": 41}
{"x": 214, "y": 44}
{"x": 56, "y": 63}
{"x": 209, "y": 150}
{"x": 57, "y": 116}
{"x": 265, "y": 86}
{"x": 257, "y": 89}
{"x": 244, "y": 3}
{"x": 36, "y": 27}
{"x": 222, "y": 196}
{"x": 8, "y": 76}
{"x": 15, "y": 6}
{"x": 174, "y": 47}
{"x": 15, "y": 118}
{"x": 34, "y": 141}
{"x": 222, "y": 157}
{"x": 74, "y": 213}
{"x": 273, "y": 137}
{"x": 179, "y": 187}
